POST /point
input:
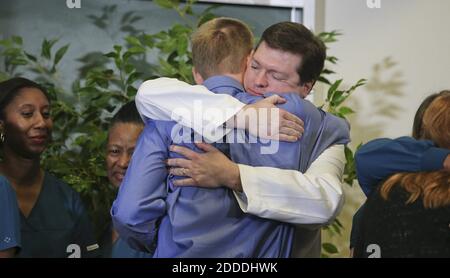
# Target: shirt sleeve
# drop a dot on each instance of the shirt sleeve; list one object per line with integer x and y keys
{"x": 140, "y": 202}
{"x": 380, "y": 158}
{"x": 315, "y": 197}
{"x": 193, "y": 106}
{"x": 9, "y": 217}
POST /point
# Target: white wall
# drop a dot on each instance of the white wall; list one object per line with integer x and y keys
{"x": 415, "y": 35}
{"x": 403, "y": 49}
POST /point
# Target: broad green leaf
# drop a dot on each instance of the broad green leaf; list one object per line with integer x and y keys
{"x": 333, "y": 88}
{"x": 46, "y": 48}
{"x": 60, "y": 53}
{"x": 131, "y": 91}
{"x": 118, "y": 48}
{"x": 136, "y": 50}
{"x": 338, "y": 98}
{"x": 324, "y": 80}
{"x": 133, "y": 77}
{"x": 133, "y": 41}
{"x": 330, "y": 248}
{"x": 129, "y": 68}
{"x": 165, "y": 3}
{"x": 18, "y": 62}
{"x": 111, "y": 54}
{"x": 183, "y": 44}
{"x": 31, "y": 57}
{"x": 346, "y": 110}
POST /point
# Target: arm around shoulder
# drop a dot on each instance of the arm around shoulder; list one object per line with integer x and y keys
{"x": 380, "y": 158}
{"x": 172, "y": 99}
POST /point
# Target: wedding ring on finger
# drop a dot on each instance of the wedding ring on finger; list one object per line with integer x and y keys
{"x": 184, "y": 171}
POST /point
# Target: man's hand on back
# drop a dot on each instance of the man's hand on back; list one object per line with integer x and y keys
{"x": 264, "y": 120}
{"x": 209, "y": 169}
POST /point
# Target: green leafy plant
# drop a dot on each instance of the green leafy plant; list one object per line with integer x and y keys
{"x": 334, "y": 103}
{"x": 82, "y": 113}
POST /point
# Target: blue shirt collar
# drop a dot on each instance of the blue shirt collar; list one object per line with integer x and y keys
{"x": 222, "y": 81}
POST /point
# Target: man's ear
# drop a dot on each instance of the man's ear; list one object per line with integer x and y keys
{"x": 197, "y": 76}
{"x": 306, "y": 88}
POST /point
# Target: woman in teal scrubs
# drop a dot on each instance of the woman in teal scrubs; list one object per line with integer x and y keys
{"x": 9, "y": 221}
{"x": 125, "y": 128}
{"x": 53, "y": 220}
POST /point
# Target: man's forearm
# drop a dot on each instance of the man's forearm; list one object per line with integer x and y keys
{"x": 171, "y": 99}
{"x": 232, "y": 178}
{"x": 289, "y": 196}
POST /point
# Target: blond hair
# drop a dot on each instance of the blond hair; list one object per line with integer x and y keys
{"x": 221, "y": 46}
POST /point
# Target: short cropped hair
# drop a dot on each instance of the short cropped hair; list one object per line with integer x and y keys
{"x": 221, "y": 46}
{"x": 128, "y": 113}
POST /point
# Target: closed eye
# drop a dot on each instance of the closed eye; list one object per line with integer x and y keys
{"x": 254, "y": 65}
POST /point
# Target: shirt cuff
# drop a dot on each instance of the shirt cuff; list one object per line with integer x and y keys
{"x": 247, "y": 199}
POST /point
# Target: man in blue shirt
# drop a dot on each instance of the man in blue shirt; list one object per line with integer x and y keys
{"x": 198, "y": 222}
{"x": 9, "y": 220}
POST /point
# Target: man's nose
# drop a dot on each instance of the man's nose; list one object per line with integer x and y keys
{"x": 261, "y": 80}
{"x": 123, "y": 161}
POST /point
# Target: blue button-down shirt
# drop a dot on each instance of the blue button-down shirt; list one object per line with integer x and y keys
{"x": 197, "y": 222}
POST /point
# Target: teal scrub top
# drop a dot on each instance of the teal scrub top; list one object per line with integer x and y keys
{"x": 9, "y": 217}
{"x": 58, "y": 226}
{"x": 119, "y": 249}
